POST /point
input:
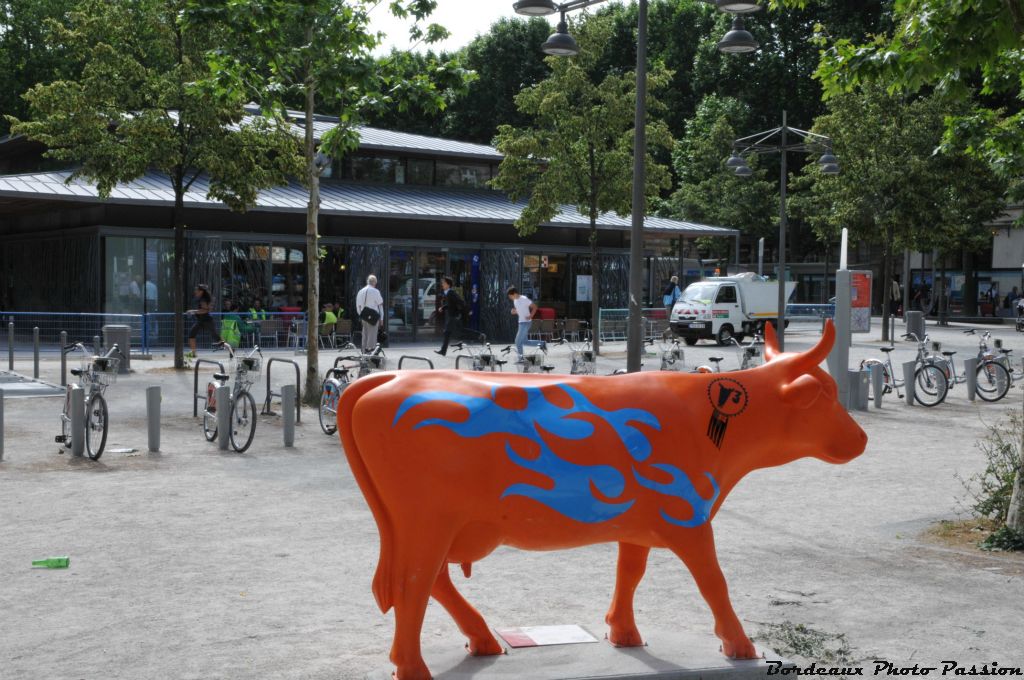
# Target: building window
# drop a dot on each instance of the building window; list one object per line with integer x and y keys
{"x": 378, "y": 169}
{"x": 463, "y": 175}
{"x": 420, "y": 172}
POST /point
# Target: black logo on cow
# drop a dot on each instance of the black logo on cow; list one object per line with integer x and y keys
{"x": 728, "y": 399}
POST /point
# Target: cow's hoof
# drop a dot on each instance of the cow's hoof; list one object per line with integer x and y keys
{"x": 412, "y": 672}
{"x": 743, "y": 649}
{"x": 484, "y": 647}
{"x": 625, "y": 638}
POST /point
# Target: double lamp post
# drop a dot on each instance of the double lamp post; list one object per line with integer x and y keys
{"x": 561, "y": 44}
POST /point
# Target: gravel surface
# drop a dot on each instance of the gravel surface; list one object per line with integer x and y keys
{"x": 193, "y": 563}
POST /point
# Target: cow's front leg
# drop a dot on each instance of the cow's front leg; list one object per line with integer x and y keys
{"x": 469, "y": 620}
{"x": 628, "y": 573}
{"x": 696, "y": 548}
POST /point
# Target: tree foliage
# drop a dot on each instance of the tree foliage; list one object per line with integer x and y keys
{"x": 141, "y": 100}
{"x": 579, "y": 149}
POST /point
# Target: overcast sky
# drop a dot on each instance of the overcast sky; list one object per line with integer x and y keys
{"x": 465, "y": 19}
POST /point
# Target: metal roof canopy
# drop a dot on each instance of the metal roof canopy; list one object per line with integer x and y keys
{"x": 341, "y": 198}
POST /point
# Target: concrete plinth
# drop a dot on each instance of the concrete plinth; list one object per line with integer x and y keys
{"x": 669, "y": 655}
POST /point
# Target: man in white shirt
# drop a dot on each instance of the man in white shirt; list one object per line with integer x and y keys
{"x": 369, "y": 296}
{"x": 524, "y": 308}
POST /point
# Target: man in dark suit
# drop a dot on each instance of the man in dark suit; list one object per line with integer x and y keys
{"x": 451, "y": 307}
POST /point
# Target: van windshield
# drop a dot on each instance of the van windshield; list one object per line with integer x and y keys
{"x": 695, "y": 293}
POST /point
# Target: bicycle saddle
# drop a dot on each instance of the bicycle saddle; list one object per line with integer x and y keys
{"x": 948, "y": 354}
{"x": 887, "y": 349}
{"x": 714, "y": 360}
{"x": 221, "y": 376}
{"x": 76, "y": 371}
{"x": 501, "y": 362}
{"x": 1004, "y": 351}
{"x": 547, "y": 369}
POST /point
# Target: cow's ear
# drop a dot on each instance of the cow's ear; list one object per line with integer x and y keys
{"x": 802, "y": 392}
{"x": 771, "y": 342}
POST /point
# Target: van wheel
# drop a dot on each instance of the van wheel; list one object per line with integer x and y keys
{"x": 724, "y": 334}
{"x": 689, "y": 340}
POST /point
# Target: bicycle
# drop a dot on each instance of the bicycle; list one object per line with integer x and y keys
{"x": 243, "y": 407}
{"x": 749, "y": 354}
{"x": 931, "y": 385}
{"x": 482, "y": 360}
{"x": 582, "y": 359}
{"x": 336, "y": 380}
{"x": 670, "y": 352}
{"x": 95, "y": 375}
{"x": 993, "y": 379}
{"x": 532, "y": 362}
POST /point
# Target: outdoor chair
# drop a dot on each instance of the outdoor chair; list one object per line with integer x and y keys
{"x": 268, "y": 330}
{"x": 547, "y": 330}
{"x": 325, "y": 336}
{"x": 571, "y": 329}
{"x": 297, "y": 334}
{"x": 342, "y": 332}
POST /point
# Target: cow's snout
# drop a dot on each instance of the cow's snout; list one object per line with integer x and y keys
{"x": 847, "y": 444}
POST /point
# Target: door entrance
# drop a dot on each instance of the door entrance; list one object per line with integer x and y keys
{"x": 414, "y": 285}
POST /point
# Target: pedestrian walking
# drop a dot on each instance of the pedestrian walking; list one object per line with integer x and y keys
{"x": 895, "y": 296}
{"x": 452, "y": 307}
{"x": 201, "y": 317}
{"x": 524, "y": 308}
{"x": 370, "y": 308}
{"x": 671, "y": 294}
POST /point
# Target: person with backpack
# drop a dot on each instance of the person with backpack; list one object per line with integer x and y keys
{"x": 201, "y": 317}
{"x": 671, "y": 294}
{"x": 452, "y": 308}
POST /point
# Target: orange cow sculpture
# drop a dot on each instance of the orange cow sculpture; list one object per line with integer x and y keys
{"x": 454, "y": 464}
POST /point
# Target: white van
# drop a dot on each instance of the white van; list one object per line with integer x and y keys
{"x": 726, "y": 307}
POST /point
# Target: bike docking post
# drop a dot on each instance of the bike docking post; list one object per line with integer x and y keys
{"x": 288, "y": 398}
{"x": 876, "y": 384}
{"x": 77, "y": 421}
{"x": 10, "y": 346}
{"x": 223, "y": 396}
{"x": 97, "y": 345}
{"x": 430, "y": 364}
{"x": 35, "y": 352}
{"x": 857, "y": 385}
{"x": 271, "y": 394}
{"x": 63, "y": 359}
{"x": 153, "y": 417}
{"x": 195, "y": 383}
{"x": 971, "y": 374}
{"x": 908, "y": 380}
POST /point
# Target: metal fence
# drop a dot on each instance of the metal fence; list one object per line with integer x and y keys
{"x": 613, "y": 323}
{"x": 151, "y": 331}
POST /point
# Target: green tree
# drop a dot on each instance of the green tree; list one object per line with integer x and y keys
{"x": 708, "y": 191}
{"x": 579, "y": 149}
{"x": 893, "y": 189}
{"x": 957, "y": 48}
{"x": 321, "y": 53}
{"x": 141, "y": 102}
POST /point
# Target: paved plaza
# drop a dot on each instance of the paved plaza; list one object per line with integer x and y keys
{"x": 193, "y": 563}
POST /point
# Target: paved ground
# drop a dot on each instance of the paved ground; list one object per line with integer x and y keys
{"x": 191, "y": 563}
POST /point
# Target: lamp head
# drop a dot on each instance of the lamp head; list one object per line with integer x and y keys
{"x": 738, "y": 40}
{"x": 738, "y": 6}
{"x": 535, "y": 8}
{"x": 561, "y": 44}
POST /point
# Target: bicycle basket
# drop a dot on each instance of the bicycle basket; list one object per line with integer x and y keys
{"x": 376, "y": 362}
{"x": 103, "y": 370}
{"x": 249, "y": 365}
{"x": 587, "y": 356}
{"x": 936, "y": 346}
{"x": 535, "y": 359}
{"x": 998, "y": 343}
{"x": 488, "y": 360}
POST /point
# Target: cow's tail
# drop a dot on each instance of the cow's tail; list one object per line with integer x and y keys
{"x": 349, "y": 398}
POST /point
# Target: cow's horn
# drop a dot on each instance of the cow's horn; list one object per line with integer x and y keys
{"x": 814, "y": 356}
{"x": 771, "y": 342}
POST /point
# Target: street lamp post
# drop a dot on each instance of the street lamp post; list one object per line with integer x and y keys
{"x": 777, "y": 140}
{"x": 561, "y": 44}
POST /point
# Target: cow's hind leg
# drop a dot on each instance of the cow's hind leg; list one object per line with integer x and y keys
{"x": 630, "y": 569}
{"x": 469, "y": 620}
{"x": 696, "y": 548}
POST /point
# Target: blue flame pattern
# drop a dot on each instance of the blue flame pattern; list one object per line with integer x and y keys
{"x": 572, "y": 493}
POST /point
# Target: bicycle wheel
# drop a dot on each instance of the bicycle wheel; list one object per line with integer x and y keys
{"x": 993, "y": 381}
{"x": 329, "y": 396}
{"x": 243, "y": 421}
{"x": 930, "y": 386}
{"x": 210, "y": 424}
{"x": 95, "y": 426}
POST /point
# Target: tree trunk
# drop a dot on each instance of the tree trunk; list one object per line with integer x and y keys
{"x": 1015, "y": 515}
{"x": 178, "y": 223}
{"x": 970, "y": 285}
{"x": 943, "y": 294}
{"x": 311, "y": 393}
{"x": 595, "y": 292}
{"x": 887, "y": 282}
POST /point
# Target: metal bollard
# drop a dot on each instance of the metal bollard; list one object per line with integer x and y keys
{"x": 908, "y": 380}
{"x": 288, "y": 414}
{"x": 97, "y": 346}
{"x": 971, "y": 373}
{"x": 1, "y": 426}
{"x": 877, "y": 384}
{"x": 35, "y": 352}
{"x": 857, "y": 385}
{"x": 153, "y": 417}
{"x": 77, "y": 421}
{"x": 223, "y": 417}
{"x": 10, "y": 346}
{"x": 63, "y": 359}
